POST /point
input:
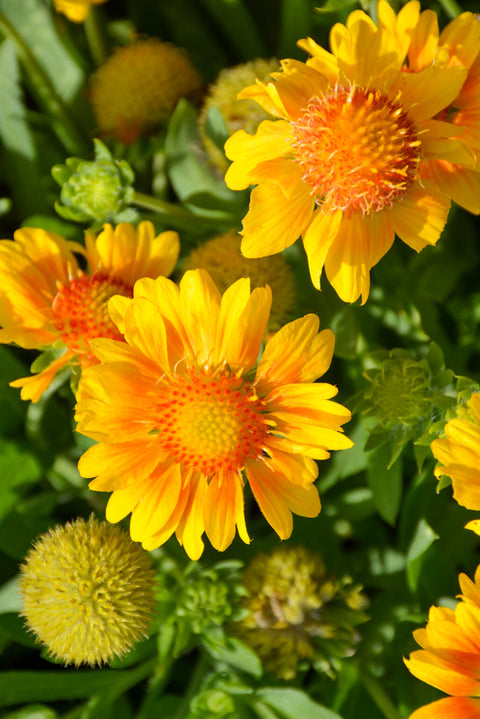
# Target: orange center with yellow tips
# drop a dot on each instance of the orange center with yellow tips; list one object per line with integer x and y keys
{"x": 211, "y": 421}
{"x": 80, "y": 311}
{"x": 359, "y": 150}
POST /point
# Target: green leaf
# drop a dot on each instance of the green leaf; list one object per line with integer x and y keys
{"x": 12, "y": 408}
{"x": 293, "y": 703}
{"x": 10, "y": 600}
{"x": 33, "y": 711}
{"x": 189, "y": 175}
{"x": 234, "y": 653}
{"x": 21, "y": 687}
{"x": 215, "y": 127}
{"x": 18, "y": 470}
{"x": 422, "y": 540}
{"x": 237, "y": 25}
{"x": 386, "y": 484}
{"x": 20, "y": 162}
{"x": 12, "y": 627}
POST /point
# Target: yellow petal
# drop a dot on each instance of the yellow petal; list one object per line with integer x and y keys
{"x": 200, "y": 309}
{"x": 318, "y": 239}
{"x": 428, "y": 92}
{"x": 273, "y": 223}
{"x": 247, "y": 151}
{"x": 158, "y": 503}
{"x": 223, "y": 510}
{"x": 296, "y": 353}
{"x": 420, "y": 218}
{"x": 191, "y": 525}
{"x": 455, "y": 707}
{"x": 34, "y": 386}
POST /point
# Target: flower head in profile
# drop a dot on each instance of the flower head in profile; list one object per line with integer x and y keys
{"x": 139, "y": 86}
{"x": 75, "y": 10}
{"x": 459, "y": 453}
{"x": 48, "y": 302}
{"x": 457, "y": 45}
{"x": 237, "y": 114}
{"x": 222, "y": 258}
{"x": 450, "y": 655}
{"x": 87, "y": 592}
{"x": 185, "y": 417}
{"x": 344, "y": 164}
{"x": 299, "y": 613}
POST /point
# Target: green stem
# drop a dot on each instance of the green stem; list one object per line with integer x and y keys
{"x": 62, "y": 123}
{"x": 95, "y": 37}
{"x": 155, "y": 688}
{"x": 196, "y": 682}
{"x": 177, "y": 215}
{"x": 379, "y": 696}
{"x": 451, "y": 8}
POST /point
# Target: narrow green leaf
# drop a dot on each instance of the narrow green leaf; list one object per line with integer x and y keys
{"x": 293, "y": 703}
{"x": 236, "y": 654}
{"x": 20, "y": 162}
{"x": 237, "y": 25}
{"x": 386, "y": 484}
{"x": 19, "y": 470}
{"x": 422, "y": 540}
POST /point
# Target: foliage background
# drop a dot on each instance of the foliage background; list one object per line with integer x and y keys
{"x": 387, "y": 528}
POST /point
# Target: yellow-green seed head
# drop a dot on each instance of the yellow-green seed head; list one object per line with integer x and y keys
{"x": 87, "y": 591}
{"x": 298, "y": 612}
{"x": 238, "y": 114}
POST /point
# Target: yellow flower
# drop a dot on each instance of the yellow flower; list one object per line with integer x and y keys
{"x": 47, "y": 301}
{"x": 457, "y": 45}
{"x": 184, "y": 417}
{"x": 238, "y": 114}
{"x": 298, "y": 612}
{"x": 87, "y": 591}
{"x": 221, "y": 257}
{"x": 139, "y": 86}
{"x": 342, "y": 166}
{"x": 450, "y": 656}
{"x": 459, "y": 454}
{"x": 75, "y": 10}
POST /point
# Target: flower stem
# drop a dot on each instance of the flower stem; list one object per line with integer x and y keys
{"x": 195, "y": 683}
{"x": 62, "y": 123}
{"x": 451, "y": 8}
{"x": 179, "y": 216}
{"x": 379, "y": 696}
{"x": 95, "y": 37}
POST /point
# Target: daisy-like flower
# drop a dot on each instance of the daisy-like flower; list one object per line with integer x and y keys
{"x": 457, "y": 45}
{"x": 450, "y": 655}
{"x": 48, "y": 302}
{"x": 343, "y": 164}
{"x": 459, "y": 454}
{"x": 184, "y": 417}
{"x": 75, "y": 10}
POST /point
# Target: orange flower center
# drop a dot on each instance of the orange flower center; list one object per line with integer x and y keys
{"x": 211, "y": 422}
{"x": 80, "y": 311}
{"x": 358, "y": 149}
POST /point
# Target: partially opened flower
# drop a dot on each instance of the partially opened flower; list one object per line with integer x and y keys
{"x": 458, "y": 45}
{"x": 343, "y": 164}
{"x": 75, "y": 10}
{"x": 48, "y": 302}
{"x": 450, "y": 656}
{"x": 459, "y": 454}
{"x": 185, "y": 418}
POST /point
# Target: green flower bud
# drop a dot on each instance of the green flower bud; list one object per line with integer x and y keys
{"x": 98, "y": 191}
{"x": 298, "y": 615}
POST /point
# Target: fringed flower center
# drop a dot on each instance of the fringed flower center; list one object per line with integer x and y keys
{"x": 359, "y": 150}
{"x": 211, "y": 422}
{"x": 80, "y": 310}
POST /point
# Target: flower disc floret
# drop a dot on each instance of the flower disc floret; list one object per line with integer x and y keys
{"x": 358, "y": 150}
{"x": 185, "y": 415}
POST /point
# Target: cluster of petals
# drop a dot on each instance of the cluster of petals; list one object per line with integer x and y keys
{"x": 47, "y": 301}
{"x": 368, "y": 144}
{"x": 184, "y": 417}
{"x": 459, "y": 454}
{"x": 450, "y": 655}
